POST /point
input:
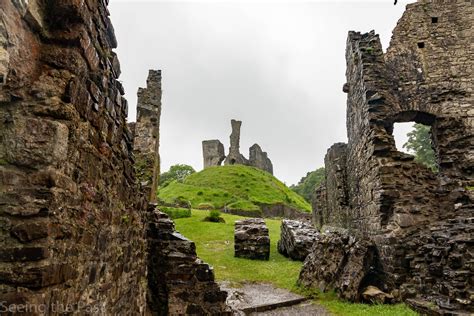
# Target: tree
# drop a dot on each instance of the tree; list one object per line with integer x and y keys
{"x": 308, "y": 183}
{"x": 177, "y": 172}
{"x": 419, "y": 143}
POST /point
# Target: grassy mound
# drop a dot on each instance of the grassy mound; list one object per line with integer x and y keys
{"x": 235, "y": 187}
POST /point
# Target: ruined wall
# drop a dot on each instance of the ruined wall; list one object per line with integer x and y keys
{"x": 146, "y": 133}
{"x": 70, "y": 216}
{"x": 235, "y": 157}
{"x": 420, "y": 221}
{"x": 259, "y": 159}
{"x": 180, "y": 283}
{"x": 213, "y": 153}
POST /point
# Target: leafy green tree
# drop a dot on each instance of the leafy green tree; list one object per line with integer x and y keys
{"x": 177, "y": 172}
{"x": 308, "y": 183}
{"x": 419, "y": 143}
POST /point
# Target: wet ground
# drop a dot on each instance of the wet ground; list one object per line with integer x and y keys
{"x": 265, "y": 299}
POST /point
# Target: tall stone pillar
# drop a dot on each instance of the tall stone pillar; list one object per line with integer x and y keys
{"x": 147, "y": 134}
{"x": 235, "y": 157}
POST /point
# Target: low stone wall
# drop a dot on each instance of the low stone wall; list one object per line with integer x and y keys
{"x": 251, "y": 239}
{"x": 179, "y": 282}
{"x": 341, "y": 262}
{"x": 284, "y": 211}
{"x": 296, "y": 239}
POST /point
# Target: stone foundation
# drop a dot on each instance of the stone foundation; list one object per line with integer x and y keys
{"x": 296, "y": 239}
{"x": 251, "y": 239}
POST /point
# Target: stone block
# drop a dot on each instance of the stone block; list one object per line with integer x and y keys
{"x": 251, "y": 239}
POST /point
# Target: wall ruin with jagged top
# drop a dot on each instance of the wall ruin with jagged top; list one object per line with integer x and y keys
{"x": 420, "y": 221}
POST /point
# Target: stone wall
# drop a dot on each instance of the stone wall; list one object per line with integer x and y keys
{"x": 259, "y": 159}
{"x": 425, "y": 77}
{"x": 296, "y": 239}
{"x": 146, "y": 133}
{"x": 251, "y": 239}
{"x": 213, "y": 153}
{"x": 71, "y": 229}
{"x": 180, "y": 283}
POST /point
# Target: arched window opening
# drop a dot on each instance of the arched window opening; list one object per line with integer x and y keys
{"x": 416, "y": 139}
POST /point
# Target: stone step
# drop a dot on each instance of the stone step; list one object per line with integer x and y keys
{"x": 271, "y": 306}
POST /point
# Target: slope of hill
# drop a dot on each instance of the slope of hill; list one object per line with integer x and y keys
{"x": 236, "y": 189}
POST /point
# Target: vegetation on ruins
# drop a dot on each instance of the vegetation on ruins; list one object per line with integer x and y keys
{"x": 419, "y": 143}
{"x": 176, "y": 212}
{"x": 178, "y": 172}
{"x": 234, "y": 187}
{"x": 308, "y": 183}
{"x": 215, "y": 245}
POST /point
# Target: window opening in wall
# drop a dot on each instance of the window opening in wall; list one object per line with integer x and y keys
{"x": 421, "y": 45}
{"x": 2, "y": 79}
{"x": 415, "y": 139}
{"x": 434, "y": 19}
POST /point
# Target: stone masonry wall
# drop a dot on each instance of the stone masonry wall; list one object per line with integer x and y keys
{"x": 421, "y": 222}
{"x": 213, "y": 153}
{"x": 259, "y": 159}
{"x": 180, "y": 283}
{"x": 70, "y": 217}
{"x": 147, "y": 134}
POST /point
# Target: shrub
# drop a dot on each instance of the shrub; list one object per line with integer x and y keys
{"x": 200, "y": 193}
{"x": 215, "y": 217}
{"x": 176, "y": 212}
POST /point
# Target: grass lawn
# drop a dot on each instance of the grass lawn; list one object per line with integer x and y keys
{"x": 235, "y": 187}
{"x": 215, "y": 245}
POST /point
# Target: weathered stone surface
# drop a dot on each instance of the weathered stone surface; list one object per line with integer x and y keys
{"x": 213, "y": 152}
{"x": 179, "y": 282}
{"x": 251, "y": 239}
{"x": 339, "y": 261}
{"x": 419, "y": 221}
{"x": 71, "y": 225}
{"x": 259, "y": 159}
{"x": 146, "y": 142}
{"x": 235, "y": 157}
{"x": 296, "y": 239}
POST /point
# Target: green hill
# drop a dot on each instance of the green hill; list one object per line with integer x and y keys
{"x": 237, "y": 187}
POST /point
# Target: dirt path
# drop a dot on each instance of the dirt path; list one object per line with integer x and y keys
{"x": 265, "y": 299}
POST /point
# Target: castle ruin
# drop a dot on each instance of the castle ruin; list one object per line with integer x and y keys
{"x": 214, "y": 154}
{"x": 413, "y": 228}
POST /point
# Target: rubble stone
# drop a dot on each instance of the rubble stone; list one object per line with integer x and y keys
{"x": 339, "y": 261}
{"x": 251, "y": 239}
{"x": 296, "y": 239}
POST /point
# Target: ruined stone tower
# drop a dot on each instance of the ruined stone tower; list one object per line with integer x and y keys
{"x": 419, "y": 223}
{"x": 235, "y": 157}
{"x": 213, "y": 152}
{"x": 147, "y": 134}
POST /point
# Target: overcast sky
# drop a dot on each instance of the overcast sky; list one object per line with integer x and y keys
{"x": 278, "y": 66}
